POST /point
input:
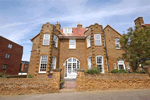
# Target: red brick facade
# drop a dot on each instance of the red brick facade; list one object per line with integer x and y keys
{"x": 13, "y": 62}
{"x": 107, "y": 50}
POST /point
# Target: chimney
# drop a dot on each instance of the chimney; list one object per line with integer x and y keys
{"x": 79, "y": 25}
{"x": 139, "y": 21}
{"x": 58, "y": 26}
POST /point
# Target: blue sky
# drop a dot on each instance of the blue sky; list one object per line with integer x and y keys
{"x": 20, "y": 20}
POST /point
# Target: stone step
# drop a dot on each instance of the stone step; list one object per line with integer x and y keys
{"x": 71, "y": 84}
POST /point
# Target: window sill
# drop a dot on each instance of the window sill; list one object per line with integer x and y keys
{"x": 88, "y": 47}
{"x": 42, "y": 72}
{"x": 72, "y": 48}
{"x": 118, "y": 48}
{"x": 98, "y": 45}
{"x": 55, "y": 47}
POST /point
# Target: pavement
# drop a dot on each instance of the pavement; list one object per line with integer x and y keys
{"x": 88, "y": 95}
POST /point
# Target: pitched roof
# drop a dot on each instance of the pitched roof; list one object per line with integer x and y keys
{"x": 112, "y": 29}
{"x": 75, "y": 32}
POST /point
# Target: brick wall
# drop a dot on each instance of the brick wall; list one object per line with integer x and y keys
{"x": 112, "y": 81}
{"x": 14, "y": 86}
{"x": 13, "y": 63}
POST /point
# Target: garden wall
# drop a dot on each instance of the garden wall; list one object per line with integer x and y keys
{"x": 112, "y": 81}
{"x": 11, "y": 86}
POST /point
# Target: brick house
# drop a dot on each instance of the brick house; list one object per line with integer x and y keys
{"x": 72, "y": 48}
{"x": 10, "y": 56}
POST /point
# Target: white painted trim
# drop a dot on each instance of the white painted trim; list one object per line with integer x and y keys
{"x": 102, "y": 63}
{"x": 121, "y": 63}
{"x": 44, "y": 38}
{"x": 88, "y": 41}
{"x": 98, "y": 39}
{"x": 72, "y": 66}
{"x": 40, "y": 65}
{"x": 22, "y": 73}
{"x": 69, "y": 44}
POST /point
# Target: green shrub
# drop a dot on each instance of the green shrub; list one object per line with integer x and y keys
{"x": 30, "y": 76}
{"x": 118, "y": 71}
{"x": 94, "y": 70}
{"x": 146, "y": 63}
{"x": 3, "y": 75}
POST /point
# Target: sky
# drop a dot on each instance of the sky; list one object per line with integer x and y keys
{"x": 21, "y": 20}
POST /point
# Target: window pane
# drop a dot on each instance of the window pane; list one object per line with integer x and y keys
{"x": 46, "y": 39}
{"x": 97, "y": 39}
{"x": 43, "y": 64}
{"x": 121, "y": 67}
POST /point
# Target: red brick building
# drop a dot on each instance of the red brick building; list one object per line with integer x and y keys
{"x": 73, "y": 48}
{"x": 10, "y": 56}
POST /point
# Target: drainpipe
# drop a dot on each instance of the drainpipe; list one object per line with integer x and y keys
{"x": 106, "y": 52}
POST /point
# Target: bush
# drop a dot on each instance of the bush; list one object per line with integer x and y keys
{"x": 118, "y": 71}
{"x": 146, "y": 63}
{"x": 30, "y": 76}
{"x": 94, "y": 70}
{"x": 3, "y": 75}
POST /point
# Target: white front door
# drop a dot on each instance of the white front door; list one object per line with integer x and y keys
{"x": 71, "y": 66}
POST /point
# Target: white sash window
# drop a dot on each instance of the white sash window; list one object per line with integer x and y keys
{"x": 90, "y": 62}
{"x": 72, "y": 44}
{"x": 55, "y": 40}
{"x": 53, "y": 65}
{"x": 88, "y": 41}
{"x": 117, "y": 44}
{"x": 46, "y": 39}
{"x": 99, "y": 62}
{"x": 97, "y": 38}
{"x": 43, "y": 64}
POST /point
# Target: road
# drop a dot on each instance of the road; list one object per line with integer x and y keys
{"x": 92, "y": 95}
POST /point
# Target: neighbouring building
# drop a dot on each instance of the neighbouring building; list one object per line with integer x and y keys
{"x": 72, "y": 48}
{"x": 10, "y": 56}
{"x": 23, "y": 68}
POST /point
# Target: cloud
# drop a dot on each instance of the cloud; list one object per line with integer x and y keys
{"x": 23, "y": 20}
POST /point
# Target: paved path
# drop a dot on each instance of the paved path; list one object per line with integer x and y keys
{"x": 92, "y": 95}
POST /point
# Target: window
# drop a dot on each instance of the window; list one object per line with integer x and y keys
{"x": 89, "y": 62}
{"x": 43, "y": 64}
{"x": 115, "y": 66}
{"x": 7, "y": 55}
{"x": 46, "y": 39}
{"x": 117, "y": 44}
{"x": 97, "y": 39}
{"x": 67, "y": 30}
{"x": 55, "y": 40}
{"x": 72, "y": 44}
{"x": 10, "y": 46}
{"x": 121, "y": 64}
{"x": 88, "y": 41}
{"x": 99, "y": 62}
{"x": 53, "y": 65}
{"x": 4, "y": 67}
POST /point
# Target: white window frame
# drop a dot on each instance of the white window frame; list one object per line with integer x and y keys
{"x": 101, "y": 63}
{"x": 121, "y": 62}
{"x": 40, "y": 63}
{"x": 53, "y": 62}
{"x": 115, "y": 67}
{"x": 72, "y": 46}
{"x": 7, "y": 55}
{"x": 100, "y": 41}
{"x": 117, "y": 43}
{"x": 46, "y": 39}
{"x": 55, "y": 40}
{"x": 10, "y": 45}
{"x": 89, "y": 59}
{"x": 88, "y": 41}
{"x": 67, "y": 30}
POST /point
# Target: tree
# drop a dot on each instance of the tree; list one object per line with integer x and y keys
{"x": 136, "y": 46}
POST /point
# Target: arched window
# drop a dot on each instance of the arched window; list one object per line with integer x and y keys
{"x": 46, "y": 39}
{"x": 88, "y": 41}
{"x": 71, "y": 66}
